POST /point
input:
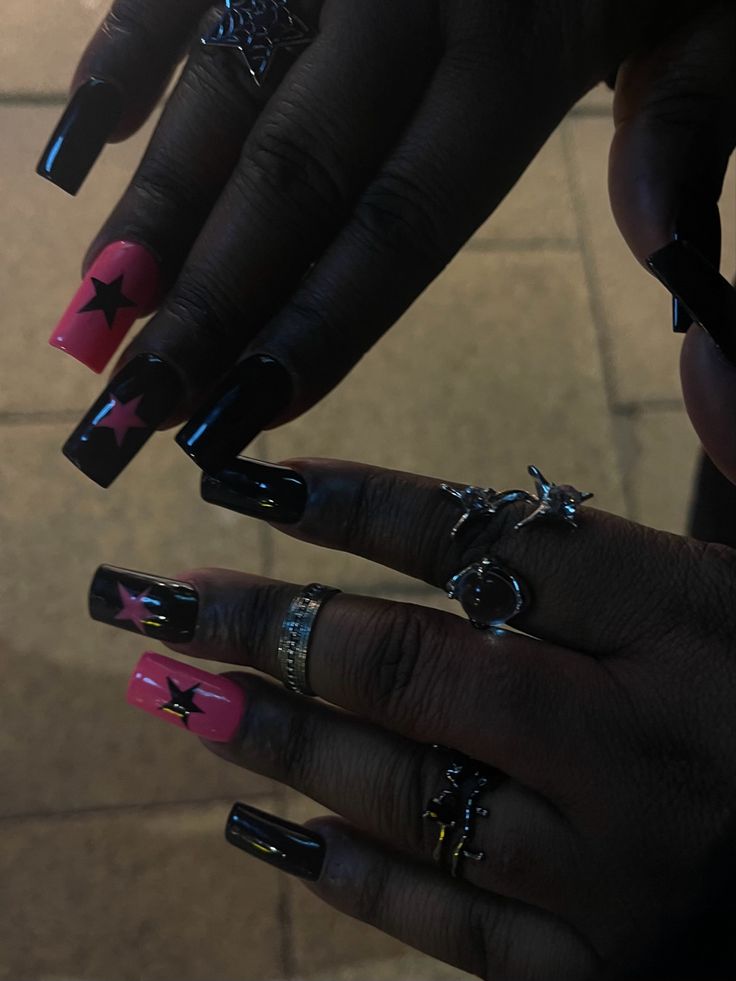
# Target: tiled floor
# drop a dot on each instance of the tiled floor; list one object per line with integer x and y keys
{"x": 542, "y": 342}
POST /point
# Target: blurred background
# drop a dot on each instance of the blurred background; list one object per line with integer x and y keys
{"x": 543, "y": 342}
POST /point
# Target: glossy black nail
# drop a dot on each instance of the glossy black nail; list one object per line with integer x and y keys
{"x": 80, "y": 135}
{"x": 259, "y": 490}
{"x": 287, "y": 846}
{"x": 140, "y": 397}
{"x": 699, "y": 225}
{"x": 251, "y": 396}
{"x": 706, "y": 296}
{"x": 164, "y": 609}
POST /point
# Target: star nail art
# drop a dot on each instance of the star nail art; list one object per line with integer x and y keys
{"x": 122, "y": 285}
{"x": 120, "y": 417}
{"x": 181, "y": 704}
{"x": 141, "y": 397}
{"x": 108, "y": 298}
{"x": 205, "y": 704}
{"x": 157, "y": 607}
{"x": 133, "y": 608}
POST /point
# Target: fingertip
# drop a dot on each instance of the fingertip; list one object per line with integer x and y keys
{"x": 709, "y": 391}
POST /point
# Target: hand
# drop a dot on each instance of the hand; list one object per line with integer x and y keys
{"x": 675, "y": 111}
{"x": 292, "y": 224}
{"x": 607, "y": 728}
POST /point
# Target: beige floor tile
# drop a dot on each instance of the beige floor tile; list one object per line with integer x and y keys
{"x": 635, "y": 311}
{"x": 137, "y": 896}
{"x": 328, "y": 946}
{"x": 42, "y": 42}
{"x": 494, "y": 368}
{"x": 39, "y": 272}
{"x": 539, "y": 207}
{"x": 63, "y": 696}
{"x": 598, "y": 100}
{"x": 663, "y": 450}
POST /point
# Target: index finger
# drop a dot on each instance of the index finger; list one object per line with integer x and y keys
{"x": 121, "y": 76}
{"x": 604, "y": 588}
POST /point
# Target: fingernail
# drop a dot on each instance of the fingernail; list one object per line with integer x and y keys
{"x": 208, "y": 705}
{"x": 139, "y": 398}
{"x": 699, "y": 225}
{"x": 259, "y": 490}
{"x": 708, "y": 298}
{"x": 80, "y": 135}
{"x": 121, "y": 286}
{"x": 252, "y": 395}
{"x": 287, "y": 846}
{"x": 151, "y": 605}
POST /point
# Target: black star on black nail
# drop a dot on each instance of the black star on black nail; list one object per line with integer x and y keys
{"x": 181, "y": 703}
{"x": 109, "y": 298}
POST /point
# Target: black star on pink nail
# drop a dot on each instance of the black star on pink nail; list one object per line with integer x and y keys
{"x": 181, "y": 702}
{"x": 109, "y": 298}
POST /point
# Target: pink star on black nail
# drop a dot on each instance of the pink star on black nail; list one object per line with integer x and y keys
{"x": 121, "y": 417}
{"x": 134, "y": 607}
{"x": 181, "y": 702}
{"x": 109, "y": 298}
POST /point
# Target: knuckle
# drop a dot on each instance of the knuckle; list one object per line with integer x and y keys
{"x": 399, "y": 214}
{"x": 199, "y": 300}
{"x": 289, "y": 166}
{"x": 403, "y": 672}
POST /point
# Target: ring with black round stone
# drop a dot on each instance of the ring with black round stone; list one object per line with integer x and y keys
{"x": 489, "y": 593}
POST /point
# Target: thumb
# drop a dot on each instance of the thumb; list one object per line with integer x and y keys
{"x": 675, "y": 113}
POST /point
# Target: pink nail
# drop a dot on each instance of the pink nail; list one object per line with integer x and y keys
{"x": 206, "y": 704}
{"x": 122, "y": 285}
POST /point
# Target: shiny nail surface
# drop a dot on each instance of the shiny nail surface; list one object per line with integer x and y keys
{"x": 699, "y": 225}
{"x": 164, "y": 609}
{"x": 86, "y": 125}
{"x": 707, "y": 297}
{"x": 257, "y": 489}
{"x": 208, "y": 705}
{"x": 251, "y": 396}
{"x": 139, "y": 398}
{"x": 121, "y": 286}
{"x": 287, "y": 846}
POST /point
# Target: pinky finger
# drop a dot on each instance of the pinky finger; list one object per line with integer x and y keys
{"x": 464, "y": 926}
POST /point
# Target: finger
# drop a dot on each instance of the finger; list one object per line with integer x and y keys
{"x": 676, "y": 129}
{"x": 120, "y": 78}
{"x": 384, "y": 783}
{"x": 411, "y": 219}
{"x": 145, "y": 241}
{"x": 289, "y": 192}
{"x": 525, "y": 707}
{"x": 578, "y": 597}
{"x": 450, "y": 920}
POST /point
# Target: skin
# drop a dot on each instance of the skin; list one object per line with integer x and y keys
{"x": 367, "y": 160}
{"x": 610, "y": 847}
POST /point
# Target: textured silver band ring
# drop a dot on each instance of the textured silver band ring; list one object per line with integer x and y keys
{"x": 296, "y": 633}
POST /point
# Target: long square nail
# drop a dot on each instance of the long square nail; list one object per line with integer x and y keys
{"x": 138, "y": 400}
{"x": 164, "y": 609}
{"x": 122, "y": 285}
{"x": 207, "y": 705}
{"x": 251, "y": 396}
{"x": 259, "y": 490}
{"x": 706, "y": 295}
{"x": 86, "y": 125}
{"x": 280, "y": 843}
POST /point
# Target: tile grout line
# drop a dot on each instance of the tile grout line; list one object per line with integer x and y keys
{"x": 597, "y": 312}
{"x": 147, "y": 807}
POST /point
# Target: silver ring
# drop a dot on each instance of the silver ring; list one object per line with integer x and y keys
{"x": 258, "y": 29}
{"x": 296, "y": 631}
{"x": 489, "y": 593}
